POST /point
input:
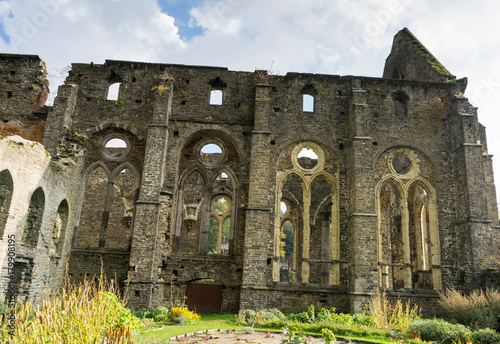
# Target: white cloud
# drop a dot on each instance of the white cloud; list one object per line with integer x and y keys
{"x": 67, "y": 31}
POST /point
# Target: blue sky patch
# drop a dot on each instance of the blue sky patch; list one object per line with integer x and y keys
{"x": 179, "y": 9}
{"x": 4, "y": 36}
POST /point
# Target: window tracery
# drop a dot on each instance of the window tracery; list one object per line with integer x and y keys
{"x": 307, "y": 206}
{"x": 408, "y": 238}
{"x": 205, "y": 201}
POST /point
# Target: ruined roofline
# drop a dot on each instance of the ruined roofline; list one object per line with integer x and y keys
{"x": 413, "y": 37}
{"x": 435, "y": 64}
{"x": 287, "y": 75}
{"x": 178, "y": 65}
{"x": 462, "y": 81}
{"x": 20, "y": 56}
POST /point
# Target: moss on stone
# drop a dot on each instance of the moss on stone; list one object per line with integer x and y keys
{"x": 430, "y": 59}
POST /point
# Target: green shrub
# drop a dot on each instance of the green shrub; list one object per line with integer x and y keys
{"x": 162, "y": 318}
{"x": 161, "y": 311}
{"x": 325, "y": 314}
{"x": 246, "y": 316}
{"x": 327, "y": 335}
{"x": 363, "y": 319}
{"x": 274, "y": 313}
{"x": 118, "y": 316}
{"x": 148, "y": 313}
{"x": 301, "y": 317}
{"x": 342, "y": 318}
{"x": 479, "y": 309}
{"x": 309, "y": 316}
{"x": 251, "y": 317}
{"x": 440, "y": 330}
{"x": 485, "y": 336}
{"x": 304, "y": 317}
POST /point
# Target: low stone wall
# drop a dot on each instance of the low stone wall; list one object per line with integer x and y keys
{"x": 88, "y": 264}
{"x": 298, "y": 298}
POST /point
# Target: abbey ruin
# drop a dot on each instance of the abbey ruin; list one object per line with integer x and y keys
{"x": 245, "y": 189}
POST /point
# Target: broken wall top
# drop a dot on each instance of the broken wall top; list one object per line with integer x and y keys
{"x": 24, "y": 89}
{"x": 410, "y": 60}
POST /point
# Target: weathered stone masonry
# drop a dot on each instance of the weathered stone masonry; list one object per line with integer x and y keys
{"x": 278, "y": 191}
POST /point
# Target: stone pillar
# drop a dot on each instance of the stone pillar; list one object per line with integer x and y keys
{"x": 257, "y": 224}
{"x": 144, "y": 257}
{"x": 473, "y": 222}
{"x": 59, "y": 119}
{"x": 326, "y": 252}
{"x": 362, "y": 237}
{"x": 306, "y": 235}
{"x": 405, "y": 224}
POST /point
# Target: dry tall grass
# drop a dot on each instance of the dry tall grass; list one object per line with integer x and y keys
{"x": 391, "y": 316}
{"x": 84, "y": 313}
{"x": 478, "y": 309}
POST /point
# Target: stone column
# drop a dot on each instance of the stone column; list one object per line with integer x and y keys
{"x": 306, "y": 234}
{"x": 405, "y": 229}
{"x": 257, "y": 224}
{"x": 362, "y": 237}
{"x": 144, "y": 257}
{"x": 326, "y": 252}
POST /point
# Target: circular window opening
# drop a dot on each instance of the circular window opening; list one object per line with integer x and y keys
{"x": 221, "y": 205}
{"x": 115, "y": 148}
{"x": 283, "y": 207}
{"x": 307, "y": 158}
{"x": 211, "y": 154}
{"x": 401, "y": 163}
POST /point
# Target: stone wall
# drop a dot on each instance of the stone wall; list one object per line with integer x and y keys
{"x": 39, "y": 222}
{"x": 178, "y": 270}
{"x": 397, "y": 195}
{"x": 24, "y": 92}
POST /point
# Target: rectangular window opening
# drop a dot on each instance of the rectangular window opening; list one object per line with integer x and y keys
{"x": 216, "y": 97}
{"x": 307, "y": 103}
{"x": 113, "y": 91}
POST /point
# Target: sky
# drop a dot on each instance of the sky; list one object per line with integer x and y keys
{"x": 345, "y": 37}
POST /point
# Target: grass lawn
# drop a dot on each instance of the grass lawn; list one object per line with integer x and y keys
{"x": 207, "y": 322}
{"x": 217, "y": 321}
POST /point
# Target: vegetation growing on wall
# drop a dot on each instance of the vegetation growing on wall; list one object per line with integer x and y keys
{"x": 430, "y": 59}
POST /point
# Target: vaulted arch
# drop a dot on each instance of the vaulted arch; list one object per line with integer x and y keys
{"x": 425, "y": 248}
{"x": 391, "y": 234}
{"x": 93, "y": 193}
{"x": 59, "y": 229}
{"x": 31, "y": 232}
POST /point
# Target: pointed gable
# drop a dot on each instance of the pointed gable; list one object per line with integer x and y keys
{"x": 410, "y": 60}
